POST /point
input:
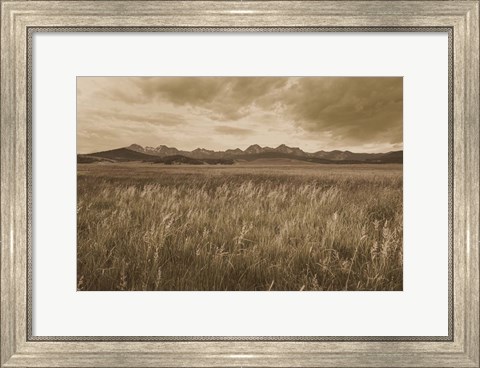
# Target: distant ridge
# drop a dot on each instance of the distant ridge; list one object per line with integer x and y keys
{"x": 255, "y": 149}
{"x": 171, "y": 155}
{"x": 122, "y": 154}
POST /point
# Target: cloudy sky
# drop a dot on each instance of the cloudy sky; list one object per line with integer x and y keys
{"x": 360, "y": 114}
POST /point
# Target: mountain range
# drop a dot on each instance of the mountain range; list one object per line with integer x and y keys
{"x": 171, "y": 155}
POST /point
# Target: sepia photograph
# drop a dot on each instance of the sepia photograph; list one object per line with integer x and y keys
{"x": 240, "y": 183}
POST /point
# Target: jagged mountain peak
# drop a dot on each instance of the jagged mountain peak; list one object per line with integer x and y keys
{"x": 257, "y": 151}
{"x": 136, "y": 147}
{"x": 254, "y": 148}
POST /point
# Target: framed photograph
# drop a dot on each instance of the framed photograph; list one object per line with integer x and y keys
{"x": 228, "y": 183}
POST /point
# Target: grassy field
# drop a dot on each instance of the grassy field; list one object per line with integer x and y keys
{"x": 250, "y": 227}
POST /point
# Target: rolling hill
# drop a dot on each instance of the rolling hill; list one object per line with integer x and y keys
{"x": 122, "y": 154}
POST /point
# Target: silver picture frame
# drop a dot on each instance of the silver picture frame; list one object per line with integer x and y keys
{"x": 20, "y": 20}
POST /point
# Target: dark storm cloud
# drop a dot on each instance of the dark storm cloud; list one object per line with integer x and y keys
{"x": 180, "y": 90}
{"x": 314, "y": 113}
{"x": 356, "y": 109}
{"x": 223, "y": 98}
{"x": 353, "y": 108}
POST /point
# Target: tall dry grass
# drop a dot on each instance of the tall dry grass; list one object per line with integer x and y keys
{"x": 146, "y": 227}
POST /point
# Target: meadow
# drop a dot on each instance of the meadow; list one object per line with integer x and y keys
{"x": 241, "y": 227}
